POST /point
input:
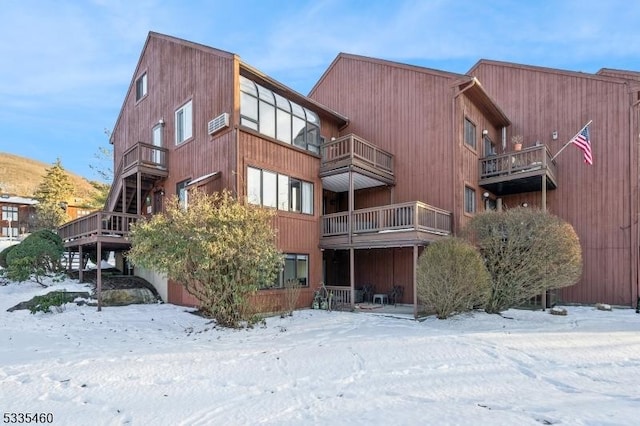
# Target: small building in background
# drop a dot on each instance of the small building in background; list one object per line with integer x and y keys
{"x": 18, "y": 215}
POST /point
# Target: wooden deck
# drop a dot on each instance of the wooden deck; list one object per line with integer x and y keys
{"x": 519, "y": 171}
{"x": 111, "y": 229}
{"x": 394, "y": 225}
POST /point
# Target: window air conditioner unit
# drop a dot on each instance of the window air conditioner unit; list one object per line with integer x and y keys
{"x": 218, "y": 123}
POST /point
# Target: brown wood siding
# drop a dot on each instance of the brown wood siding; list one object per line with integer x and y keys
{"x": 599, "y": 201}
{"x": 384, "y": 268}
{"x": 403, "y": 111}
{"x": 467, "y": 159}
{"x": 297, "y": 233}
{"x": 177, "y": 73}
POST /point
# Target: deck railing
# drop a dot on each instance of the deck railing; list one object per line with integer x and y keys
{"x": 98, "y": 224}
{"x": 145, "y": 154}
{"x": 414, "y": 215}
{"x": 354, "y": 147}
{"x": 529, "y": 159}
{"x": 340, "y": 296}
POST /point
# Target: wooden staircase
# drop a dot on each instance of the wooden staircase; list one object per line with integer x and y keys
{"x": 140, "y": 168}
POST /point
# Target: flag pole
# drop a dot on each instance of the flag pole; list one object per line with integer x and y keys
{"x": 570, "y": 140}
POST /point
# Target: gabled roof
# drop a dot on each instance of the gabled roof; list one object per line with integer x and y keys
{"x": 340, "y": 119}
{"x": 384, "y": 62}
{"x": 468, "y": 84}
{"x": 537, "y": 68}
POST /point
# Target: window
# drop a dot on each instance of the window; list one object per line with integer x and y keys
{"x": 254, "y": 186}
{"x": 490, "y": 204}
{"x": 182, "y": 193}
{"x": 83, "y": 212}
{"x": 300, "y": 196}
{"x": 141, "y": 87}
{"x": 283, "y": 192}
{"x": 184, "y": 123}
{"x": 469, "y": 133}
{"x": 296, "y": 267}
{"x": 9, "y": 232}
{"x": 277, "y": 117}
{"x": 469, "y": 200}
{"x": 271, "y": 189}
{"x": 10, "y": 213}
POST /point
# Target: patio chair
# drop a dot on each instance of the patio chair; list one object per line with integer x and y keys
{"x": 395, "y": 295}
{"x": 367, "y": 292}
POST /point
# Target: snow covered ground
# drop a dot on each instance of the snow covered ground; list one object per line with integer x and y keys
{"x": 160, "y": 365}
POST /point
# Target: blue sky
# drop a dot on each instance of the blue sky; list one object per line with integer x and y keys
{"x": 65, "y": 65}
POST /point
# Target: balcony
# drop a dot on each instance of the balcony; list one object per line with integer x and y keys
{"x": 140, "y": 167}
{"x": 149, "y": 160}
{"x": 394, "y": 225}
{"x": 518, "y": 172}
{"x": 111, "y": 229}
{"x": 371, "y": 165}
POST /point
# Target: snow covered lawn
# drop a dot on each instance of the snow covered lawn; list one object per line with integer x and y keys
{"x": 160, "y": 365}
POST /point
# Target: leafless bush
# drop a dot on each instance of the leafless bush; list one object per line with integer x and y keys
{"x": 451, "y": 277}
{"x": 292, "y": 294}
{"x": 527, "y": 252}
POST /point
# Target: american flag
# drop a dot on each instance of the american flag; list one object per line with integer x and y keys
{"x": 583, "y": 142}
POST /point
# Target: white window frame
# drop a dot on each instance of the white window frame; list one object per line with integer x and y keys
{"x": 291, "y": 194}
{"x": 184, "y": 123}
{"x": 141, "y": 87}
{"x": 10, "y": 213}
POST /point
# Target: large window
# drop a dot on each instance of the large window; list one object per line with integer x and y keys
{"x": 296, "y": 267}
{"x": 277, "y": 117}
{"x": 10, "y": 213}
{"x": 469, "y": 133}
{"x": 184, "y": 123}
{"x": 469, "y": 200}
{"x": 141, "y": 87}
{"x": 280, "y": 191}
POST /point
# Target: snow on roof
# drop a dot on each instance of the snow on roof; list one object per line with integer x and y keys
{"x": 14, "y": 199}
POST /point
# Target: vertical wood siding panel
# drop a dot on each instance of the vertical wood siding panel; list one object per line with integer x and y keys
{"x": 595, "y": 200}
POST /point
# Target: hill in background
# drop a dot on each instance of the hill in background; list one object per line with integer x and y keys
{"x": 21, "y": 176}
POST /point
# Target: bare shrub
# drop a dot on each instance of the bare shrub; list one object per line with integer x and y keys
{"x": 451, "y": 277}
{"x": 527, "y": 252}
{"x": 291, "y": 294}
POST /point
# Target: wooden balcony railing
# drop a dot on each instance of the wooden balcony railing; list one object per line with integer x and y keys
{"x": 515, "y": 163}
{"x": 350, "y": 148}
{"x": 144, "y": 154}
{"x": 413, "y": 215}
{"x": 98, "y": 224}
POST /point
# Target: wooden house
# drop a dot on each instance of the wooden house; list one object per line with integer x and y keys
{"x": 379, "y": 160}
{"x": 18, "y": 215}
{"x": 548, "y": 106}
